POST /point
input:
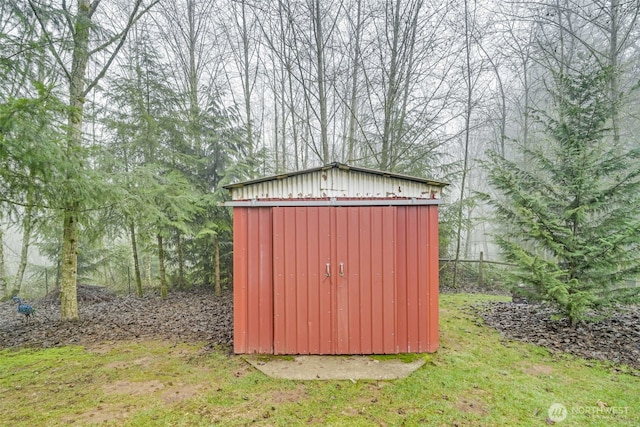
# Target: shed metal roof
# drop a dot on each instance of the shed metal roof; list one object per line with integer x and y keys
{"x": 336, "y": 180}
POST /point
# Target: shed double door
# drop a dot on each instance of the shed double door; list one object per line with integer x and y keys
{"x": 334, "y": 280}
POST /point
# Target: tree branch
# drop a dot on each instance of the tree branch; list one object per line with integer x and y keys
{"x": 94, "y": 7}
{"x": 67, "y": 15}
{"x": 48, "y": 38}
{"x": 133, "y": 18}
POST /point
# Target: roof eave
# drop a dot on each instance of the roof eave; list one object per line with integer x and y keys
{"x": 335, "y": 165}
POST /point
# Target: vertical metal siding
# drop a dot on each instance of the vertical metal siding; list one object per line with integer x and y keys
{"x": 409, "y": 281}
{"x": 360, "y": 228}
{"x": 365, "y": 281}
{"x": 433, "y": 281}
{"x": 240, "y": 279}
{"x": 253, "y": 287}
{"x": 388, "y": 264}
{"x": 335, "y": 183}
{"x": 422, "y": 285}
{"x": 417, "y": 264}
{"x": 401, "y": 280}
{"x": 303, "y": 295}
{"x": 386, "y": 301}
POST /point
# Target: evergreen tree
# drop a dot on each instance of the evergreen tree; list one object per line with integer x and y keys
{"x": 570, "y": 216}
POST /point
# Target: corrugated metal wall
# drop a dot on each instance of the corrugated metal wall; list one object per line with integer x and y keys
{"x": 336, "y": 280}
{"x": 365, "y": 241}
{"x": 303, "y": 295}
{"x": 252, "y": 280}
{"x": 418, "y": 282}
{"x": 336, "y": 183}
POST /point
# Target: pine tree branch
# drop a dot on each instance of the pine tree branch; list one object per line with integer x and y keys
{"x": 48, "y": 38}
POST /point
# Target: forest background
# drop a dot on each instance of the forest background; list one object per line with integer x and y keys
{"x": 120, "y": 121}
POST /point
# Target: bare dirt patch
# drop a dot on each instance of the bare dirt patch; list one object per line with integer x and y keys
{"x": 101, "y": 414}
{"x": 181, "y": 392}
{"x": 133, "y": 388}
{"x": 169, "y": 394}
{"x": 298, "y": 394}
{"x": 470, "y": 405}
{"x": 144, "y": 362}
{"x": 537, "y": 369}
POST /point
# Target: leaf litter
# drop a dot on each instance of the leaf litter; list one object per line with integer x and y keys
{"x": 185, "y": 316}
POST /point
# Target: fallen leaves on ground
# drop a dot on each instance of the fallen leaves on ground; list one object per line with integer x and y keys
{"x": 194, "y": 315}
{"x": 615, "y": 338}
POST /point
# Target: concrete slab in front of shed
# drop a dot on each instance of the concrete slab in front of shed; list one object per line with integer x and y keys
{"x": 333, "y": 367}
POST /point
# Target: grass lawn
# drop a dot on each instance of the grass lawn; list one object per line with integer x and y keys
{"x": 475, "y": 379}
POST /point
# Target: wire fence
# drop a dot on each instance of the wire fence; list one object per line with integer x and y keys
{"x": 482, "y": 263}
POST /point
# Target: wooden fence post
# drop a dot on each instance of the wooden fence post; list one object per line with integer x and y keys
{"x": 480, "y": 278}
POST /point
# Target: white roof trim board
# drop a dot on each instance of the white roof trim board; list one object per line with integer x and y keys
{"x": 332, "y": 202}
{"x": 336, "y": 181}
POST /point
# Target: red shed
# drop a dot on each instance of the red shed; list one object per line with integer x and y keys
{"x": 335, "y": 260}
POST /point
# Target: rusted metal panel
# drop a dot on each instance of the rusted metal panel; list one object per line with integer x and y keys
{"x": 339, "y": 181}
{"x": 253, "y": 287}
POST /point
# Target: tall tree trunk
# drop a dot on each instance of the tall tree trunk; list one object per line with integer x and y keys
{"x": 181, "y": 279}
{"x": 502, "y": 129}
{"x": 216, "y": 264}
{"x": 292, "y": 113}
{"x": 613, "y": 63}
{"x": 192, "y": 77}
{"x": 276, "y": 131}
{"x": 322, "y": 97}
{"x": 246, "y": 83}
{"x": 399, "y": 128}
{"x": 147, "y": 266}
{"x": 163, "y": 274}
{"x": 467, "y": 122}
{"x": 283, "y": 125}
{"x": 3, "y": 276}
{"x": 27, "y": 222}
{"x": 80, "y": 59}
{"x": 392, "y": 89}
{"x": 525, "y": 130}
{"x": 80, "y": 27}
{"x": 353, "y": 102}
{"x": 69, "y": 266}
{"x": 136, "y": 260}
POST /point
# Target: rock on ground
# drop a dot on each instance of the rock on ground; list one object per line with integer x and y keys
{"x": 195, "y": 315}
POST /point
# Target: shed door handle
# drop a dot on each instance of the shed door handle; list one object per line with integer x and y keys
{"x": 328, "y": 273}
{"x": 342, "y": 268}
